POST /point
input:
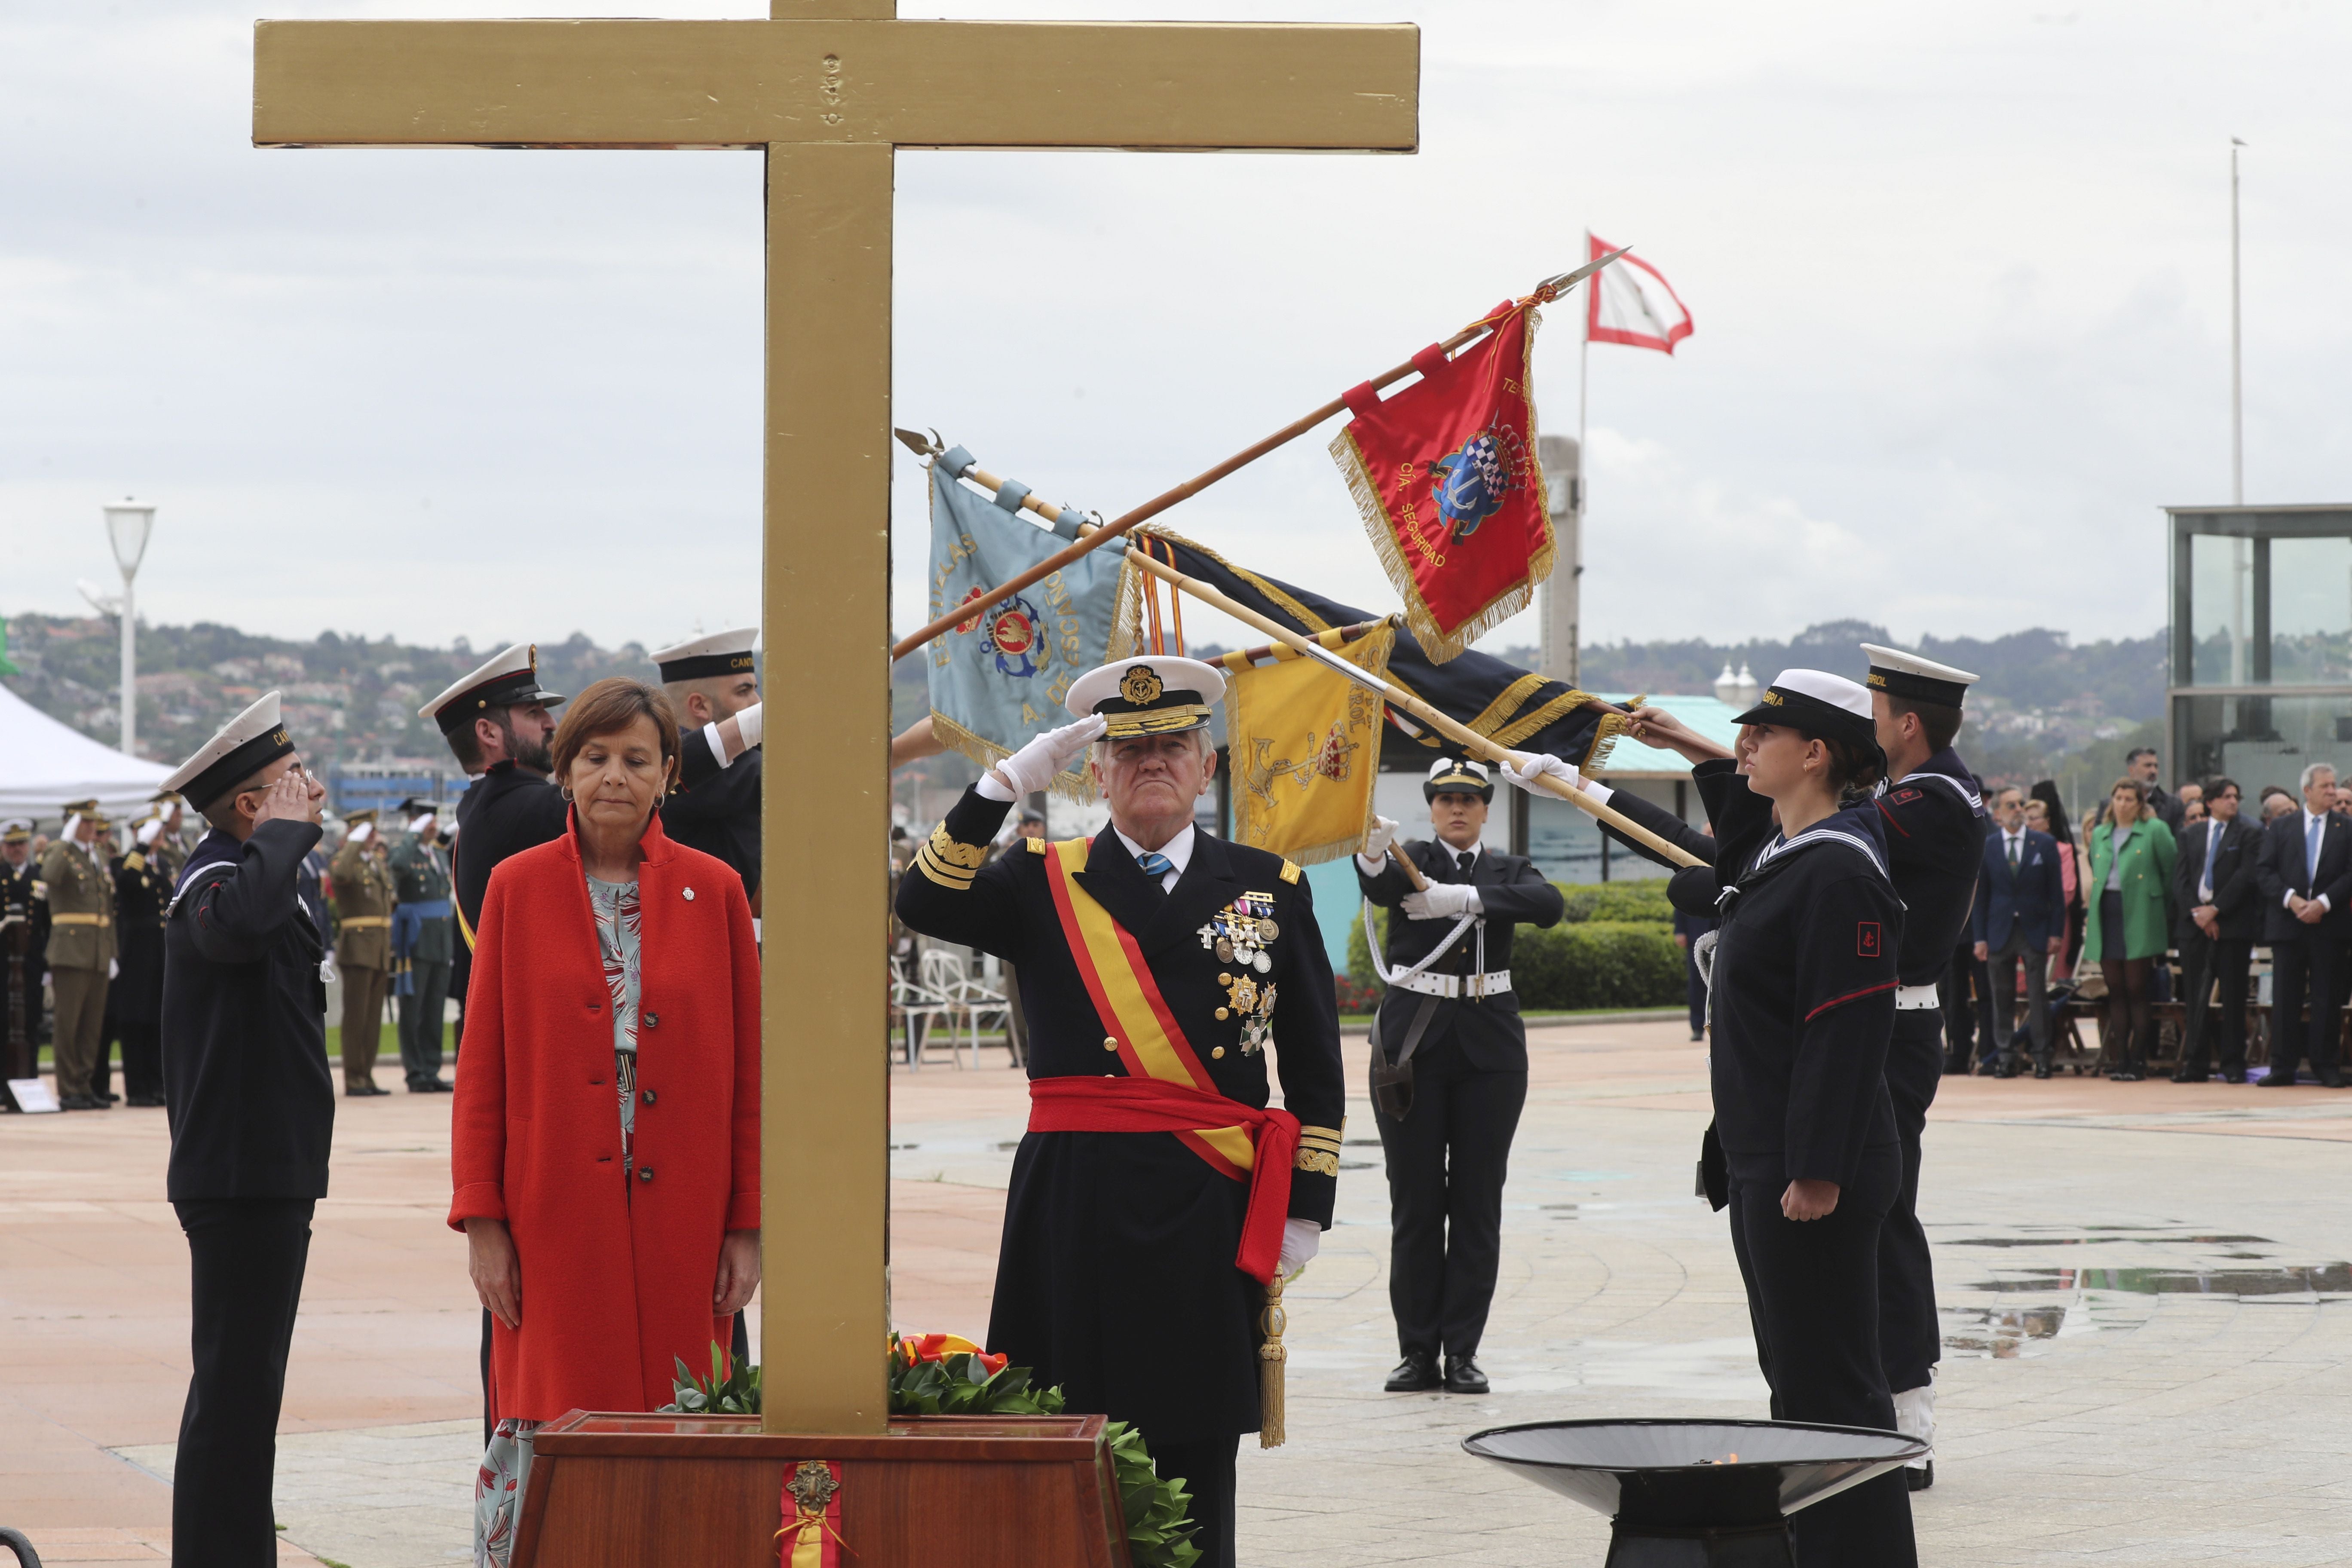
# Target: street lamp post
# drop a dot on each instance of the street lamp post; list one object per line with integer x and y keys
{"x": 128, "y": 525}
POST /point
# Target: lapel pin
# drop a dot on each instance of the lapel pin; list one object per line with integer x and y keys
{"x": 689, "y": 895}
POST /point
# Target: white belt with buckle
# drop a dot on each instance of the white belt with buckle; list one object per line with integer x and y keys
{"x": 1915, "y": 998}
{"x": 1472, "y": 985}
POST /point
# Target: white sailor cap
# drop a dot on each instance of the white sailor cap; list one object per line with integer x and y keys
{"x": 1901, "y": 674}
{"x": 1815, "y": 702}
{"x": 721, "y": 653}
{"x": 1155, "y": 694}
{"x": 245, "y": 745}
{"x": 509, "y": 680}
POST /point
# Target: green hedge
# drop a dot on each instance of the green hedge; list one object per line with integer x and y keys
{"x": 1615, "y": 947}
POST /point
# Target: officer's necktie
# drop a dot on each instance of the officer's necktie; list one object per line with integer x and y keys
{"x": 2013, "y": 855}
{"x": 2313, "y": 828}
{"x": 1155, "y": 866}
{"x": 1463, "y": 861}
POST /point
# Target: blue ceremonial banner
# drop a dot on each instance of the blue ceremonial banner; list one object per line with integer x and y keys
{"x": 998, "y": 679}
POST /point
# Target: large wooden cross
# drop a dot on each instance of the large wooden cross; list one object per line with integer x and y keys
{"x": 828, "y": 89}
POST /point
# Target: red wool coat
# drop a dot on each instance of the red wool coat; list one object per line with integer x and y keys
{"x": 617, "y": 1275}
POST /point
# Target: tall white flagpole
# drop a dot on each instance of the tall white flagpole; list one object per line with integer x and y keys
{"x": 2237, "y": 382}
{"x": 1583, "y": 382}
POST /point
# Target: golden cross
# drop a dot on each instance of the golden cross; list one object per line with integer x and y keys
{"x": 829, "y": 90}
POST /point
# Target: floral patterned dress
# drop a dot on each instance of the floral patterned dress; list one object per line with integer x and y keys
{"x": 505, "y": 1470}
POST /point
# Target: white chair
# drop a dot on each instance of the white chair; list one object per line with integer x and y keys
{"x": 944, "y": 974}
{"x": 919, "y": 1009}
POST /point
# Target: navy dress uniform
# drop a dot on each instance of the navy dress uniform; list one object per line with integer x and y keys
{"x": 1804, "y": 980}
{"x": 252, "y": 1113}
{"x": 24, "y": 936}
{"x": 134, "y": 1002}
{"x": 1164, "y": 993}
{"x": 1451, "y": 1018}
{"x": 718, "y": 814}
{"x": 424, "y": 941}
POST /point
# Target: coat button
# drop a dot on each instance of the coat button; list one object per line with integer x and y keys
{"x": 645, "y": 1096}
{"x": 1222, "y": 1013}
{"x": 645, "y": 1173}
{"x": 1219, "y": 1052}
{"x": 653, "y": 1020}
{"x": 1110, "y": 1042}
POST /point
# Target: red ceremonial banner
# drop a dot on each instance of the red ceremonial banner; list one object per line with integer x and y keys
{"x": 1446, "y": 474}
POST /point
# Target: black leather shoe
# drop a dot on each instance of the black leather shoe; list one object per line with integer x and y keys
{"x": 1463, "y": 1377}
{"x": 80, "y": 1102}
{"x": 2185, "y": 1075}
{"x": 2127, "y": 1073}
{"x": 1417, "y": 1373}
{"x": 2042, "y": 1067}
{"x": 2331, "y": 1080}
{"x": 1919, "y": 1477}
{"x": 144, "y": 1101}
{"x": 2276, "y": 1080}
{"x": 2236, "y": 1075}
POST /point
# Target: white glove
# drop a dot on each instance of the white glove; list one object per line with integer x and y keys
{"x": 1035, "y": 765}
{"x": 327, "y": 972}
{"x": 1377, "y": 842}
{"x": 1444, "y": 901}
{"x": 1526, "y": 767}
{"x": 113, "y": 969}
{"x": 1300, "y": 1240}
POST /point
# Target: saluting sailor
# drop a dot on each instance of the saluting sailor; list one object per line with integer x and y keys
{"x": 709, "y": 680}
{"x": 1451, "y": 1076}
{"x": 423, "y": 935}
{"x": 1935, "y": 822}
{"x": 24, "y": 934}
{"x": 1161, "y": 969}
{"x": 252, "y": 1112}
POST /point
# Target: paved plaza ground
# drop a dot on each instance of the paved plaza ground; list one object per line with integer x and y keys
{"x": 2145, "y": 1286}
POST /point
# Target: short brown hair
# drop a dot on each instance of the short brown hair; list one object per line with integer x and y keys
{"x": 608, "y": 707}
{"x": 2138, "y": 786}
{"x": 1939, "y": 722}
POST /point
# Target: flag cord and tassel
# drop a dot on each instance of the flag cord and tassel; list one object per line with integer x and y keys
{"x": 1445, "y": 724}
{"x": 1271, "y": 1358}
{"x": 1550, "y": 289}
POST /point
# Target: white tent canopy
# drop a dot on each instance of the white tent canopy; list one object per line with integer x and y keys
{"x": 43, "y": 765}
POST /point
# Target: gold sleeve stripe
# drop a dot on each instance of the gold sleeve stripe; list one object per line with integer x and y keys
{"x": 1290, "y": 870}
{"x": 955, "y": 852}
{"x": 1306, "y": 1132}
{"x": 946, "y": 876}
{"x": 1318, "y": 1161}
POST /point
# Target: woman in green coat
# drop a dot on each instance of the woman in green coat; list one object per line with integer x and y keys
{"x": 2130, "y": 918}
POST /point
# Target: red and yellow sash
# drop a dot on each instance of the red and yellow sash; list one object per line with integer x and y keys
{"x": 1167, "y": 1089}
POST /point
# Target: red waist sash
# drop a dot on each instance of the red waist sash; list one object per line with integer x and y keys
{"x": 1155, "y": 1105}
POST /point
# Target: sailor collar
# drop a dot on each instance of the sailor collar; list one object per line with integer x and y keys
{"x": 1946, "y": 769}
{"x": 1850, "y": 828}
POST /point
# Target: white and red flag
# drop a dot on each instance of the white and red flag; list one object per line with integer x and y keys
{"x": 1630, "y": 302}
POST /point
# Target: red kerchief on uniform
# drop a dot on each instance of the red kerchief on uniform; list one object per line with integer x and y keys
{"x": 1446, "y": 474}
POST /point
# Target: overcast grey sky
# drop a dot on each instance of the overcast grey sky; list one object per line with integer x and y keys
{"x": 1959, "y": 274}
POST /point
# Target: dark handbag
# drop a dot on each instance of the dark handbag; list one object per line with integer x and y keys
{"x": 1392, "y": 1081}
{"x": 1714, "y": 1170}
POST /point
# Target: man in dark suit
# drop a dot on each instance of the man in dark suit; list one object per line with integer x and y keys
{"x": 1452, "y": 1017}
{"x": 2019, "y": 918}
{"x": 2305, "y": 874}
{"x": 2144, "y": 764}
{"x": 2213, "y": 880}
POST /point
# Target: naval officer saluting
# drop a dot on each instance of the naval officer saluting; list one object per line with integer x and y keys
{"x": 1450, "y": 1025}
{"x": 1154, "y": 1194}
{"x": 252, "y": 1110}
{"x": 711, "y": 679}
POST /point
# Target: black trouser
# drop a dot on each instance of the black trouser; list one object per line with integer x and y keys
{"x": 2205, "y": 961}
{"x": 2033, "y": 954}
{"x": 1206, "y": 1464}
{"x": 143, "y": 1059}
{"x": 1910, "y": 1336}
{"x": 246, "y": 1258}
{"x": 1812, "y": 1298}
{"x": 1961, "y": 1006}
{"x": 1446, "y": 1161}
{"x": 2305, "y": 968}
{"x": 422, "y": 1023}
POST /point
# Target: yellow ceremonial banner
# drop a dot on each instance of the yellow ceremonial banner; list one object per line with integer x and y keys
{"x": 1304, "y": 743}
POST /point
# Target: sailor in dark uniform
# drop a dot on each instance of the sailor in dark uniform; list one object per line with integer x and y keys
{"x": 135, "y": 1003}
{"x": 1161, "y": 969}
{"x": 1935, "y": 823}
{"x": 1450, "y": 1027}
{"x": 252, "y": 1111}
{"x": 1803, "y": 982}
{"x": 710, "y": 680}
{"x": 497, "y": 723}
{"x": 24, "y": 934}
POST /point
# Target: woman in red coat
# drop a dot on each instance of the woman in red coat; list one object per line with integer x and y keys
{"x": 605, "y": 1128}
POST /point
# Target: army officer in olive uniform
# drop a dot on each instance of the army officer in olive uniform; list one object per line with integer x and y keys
{"x": 363, "y": 901}
{"x": 80, "y": 888}
{"x": 1162, "y": 971}
{"x": 1451, "y": 1020}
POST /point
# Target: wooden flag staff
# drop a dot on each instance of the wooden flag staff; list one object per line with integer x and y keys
{"x": 1460, "y": 734}
{"x": 1545, "y": 292}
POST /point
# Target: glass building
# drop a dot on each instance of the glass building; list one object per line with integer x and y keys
{"x": 2260, "y": 679}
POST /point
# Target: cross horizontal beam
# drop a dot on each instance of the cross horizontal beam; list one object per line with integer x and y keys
{"x": 622, "y": 83}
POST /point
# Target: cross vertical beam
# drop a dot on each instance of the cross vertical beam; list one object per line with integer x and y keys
{"x": 826, "y": 922}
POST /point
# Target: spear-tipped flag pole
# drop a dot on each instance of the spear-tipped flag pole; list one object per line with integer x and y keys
{"x": 1460, "y": 734}
{"x": 1550, "y": 289}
